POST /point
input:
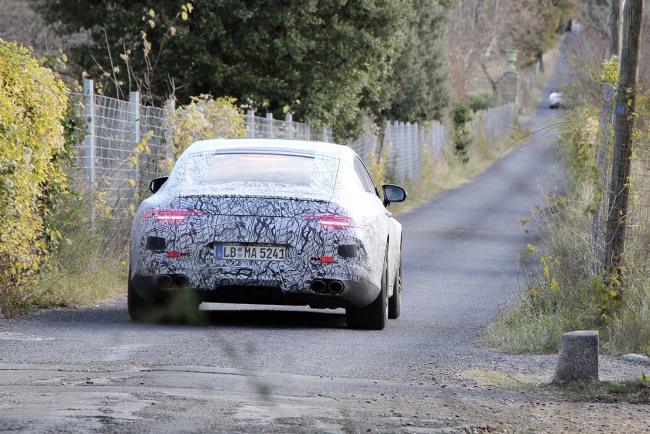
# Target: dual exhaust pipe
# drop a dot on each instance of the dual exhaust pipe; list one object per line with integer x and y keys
{"x": 327, "y": 286}
{"x": 171, "y": 281}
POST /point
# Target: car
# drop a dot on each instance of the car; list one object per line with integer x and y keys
{"x": 555, "y": 100}
{"x": 264, "y": 221}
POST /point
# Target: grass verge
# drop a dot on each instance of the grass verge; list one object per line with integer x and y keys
{"x": 96, "y": 283}
{"x": 634, "y": 392}
{"x": 561, "y": 290}
{"x": 86, "y": 267}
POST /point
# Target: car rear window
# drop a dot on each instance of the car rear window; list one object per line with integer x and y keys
{"x": 266, "y": 168}
{"x": 255, "y": 173}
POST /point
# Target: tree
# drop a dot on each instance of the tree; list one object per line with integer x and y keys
{"x": 420, "y": 74}
{"x": 330, "y": 61}
{"x": 481, "y": 31}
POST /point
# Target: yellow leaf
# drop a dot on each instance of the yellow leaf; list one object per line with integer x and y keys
{"x": 132, "y": 182}
{"x": 152, "y": 13}
{"x": 184, "y": 16}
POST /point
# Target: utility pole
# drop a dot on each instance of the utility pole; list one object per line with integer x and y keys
{"x": 619, "y": 189}
{"x": 602, "y": 149}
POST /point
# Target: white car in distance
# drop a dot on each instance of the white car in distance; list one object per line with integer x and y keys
{"x": 555, "y": 100}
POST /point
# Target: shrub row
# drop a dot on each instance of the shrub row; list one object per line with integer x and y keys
{"x": 33, "y": 103}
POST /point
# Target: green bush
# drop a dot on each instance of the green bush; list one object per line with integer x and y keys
{"x": 481, "y": 101}
{"x": 461, "y": 116}
{"x": 33, "y": 104}
{"x": 207, "y": 118}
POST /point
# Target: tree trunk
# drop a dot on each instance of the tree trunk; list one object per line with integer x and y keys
{"x": 602, "y": 150}
{"x": 614, "y": 30}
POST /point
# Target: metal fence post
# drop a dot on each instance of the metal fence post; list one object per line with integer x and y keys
{"x": 89, "y": 143}
{"x": 250, "y": 123}
{"x": 134, "y": 125}
{"x": 288, "y": 118}
{"x": 417, "y": 151}
{"x": 170, "y": 108}
{"x": 385, "y": 139}
{"x": 269, "y": 122}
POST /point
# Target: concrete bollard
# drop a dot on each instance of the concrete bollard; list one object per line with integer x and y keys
{"x": 578, "y": 360}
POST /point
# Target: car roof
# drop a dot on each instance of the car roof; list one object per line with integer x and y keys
{"x": 294, "y": 147}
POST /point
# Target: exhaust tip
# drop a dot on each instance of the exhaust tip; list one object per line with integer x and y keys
{"x": 164, "y": 281}
{"x": 336, "y": 287}
{"x": 318, "y": 286}
{"x": 180, "y": 280}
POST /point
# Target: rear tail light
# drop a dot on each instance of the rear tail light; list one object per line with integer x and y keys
{"x": 332, "y": 221}
{"x": 171, "y": 215}
{"x": 175, "y": 254}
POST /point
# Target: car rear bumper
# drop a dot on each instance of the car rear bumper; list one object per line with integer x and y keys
{"x": 355, "y": 294}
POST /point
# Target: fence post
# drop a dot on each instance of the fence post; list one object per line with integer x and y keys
{"x": 89, "y": 143}
{"x": 307, "y": 129}
{"x": 170, "y": 108}
{"x": 269, "y": 121}
{"x": 134, "y": 123}
{"x": 89, "y": 138}
{"x": 250, "y": 123}
{"x": 288, "y": 118}
{"x": 323, "y": 134}
{"x": 385, "y": 139}
{"x": 417, "y": 151}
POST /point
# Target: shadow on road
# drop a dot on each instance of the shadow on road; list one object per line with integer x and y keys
{"x": 272, "y": 319}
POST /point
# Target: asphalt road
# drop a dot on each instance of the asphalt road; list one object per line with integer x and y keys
{"x": 460, "y": 264}
{"x": 292, "y": 369}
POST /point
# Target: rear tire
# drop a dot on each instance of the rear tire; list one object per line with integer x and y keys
{"x": 180, "y": 308}
{"x": 374, "y": 316}
{"x": 140, "y": 308}
{"x": 395, "y": 301}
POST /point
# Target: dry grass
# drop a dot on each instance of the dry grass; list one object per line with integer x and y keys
{"x": 561, "y": 291}
{"x": 87, "y": 267}
{"x": 635, "y": 391}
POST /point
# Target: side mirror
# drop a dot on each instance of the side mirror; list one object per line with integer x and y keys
{"x": 156, "y": 183}
{"x": 393, "y": 193}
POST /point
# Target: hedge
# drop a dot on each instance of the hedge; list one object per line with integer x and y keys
{"x": 33, "y": 104}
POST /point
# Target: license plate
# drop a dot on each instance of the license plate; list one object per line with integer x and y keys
{"x": 250, "y": 252}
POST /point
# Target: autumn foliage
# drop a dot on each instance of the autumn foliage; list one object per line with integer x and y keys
{"x": 33, "y": 104}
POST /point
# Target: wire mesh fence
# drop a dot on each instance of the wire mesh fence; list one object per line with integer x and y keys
{"x": 407, "y": 143}
{"x": 270, "y": 128}
{"x": 637, "y": 217}
{"x": 126, "y": 144}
